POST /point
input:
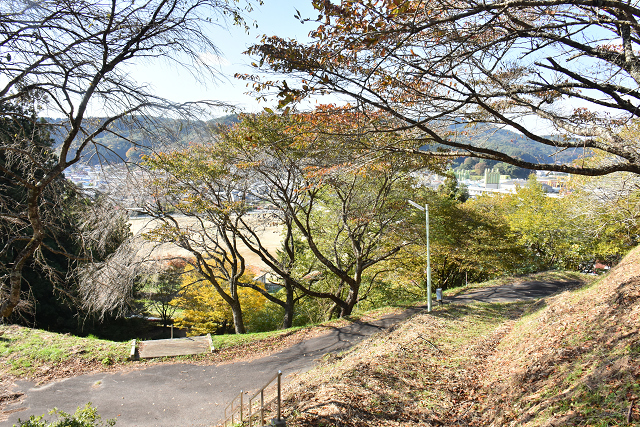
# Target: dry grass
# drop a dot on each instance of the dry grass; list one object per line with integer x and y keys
{"x": 270, "y": 237}
{"x": 575, "y": 362}
{"x": 416, "y": 374}
{"x": 572, "y": 359}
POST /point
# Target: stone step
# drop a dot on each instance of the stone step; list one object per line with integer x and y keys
{"x": 175, "y": 347}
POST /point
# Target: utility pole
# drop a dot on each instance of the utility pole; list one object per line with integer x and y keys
{"x": 426, "y": 212}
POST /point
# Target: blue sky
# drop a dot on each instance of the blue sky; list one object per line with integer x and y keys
{"x": 274, "y": 17}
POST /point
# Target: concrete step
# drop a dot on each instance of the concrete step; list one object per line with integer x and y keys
{"x": 175, "y": 347}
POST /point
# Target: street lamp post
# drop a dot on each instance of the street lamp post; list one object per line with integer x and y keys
{"x": 426, "y": 212}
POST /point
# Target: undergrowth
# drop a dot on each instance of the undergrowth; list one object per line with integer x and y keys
{"x": 413, "y": 375}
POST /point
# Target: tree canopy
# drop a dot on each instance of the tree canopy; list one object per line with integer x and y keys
{"x": 341, "y": 204}
{"x": 452, "y": 70}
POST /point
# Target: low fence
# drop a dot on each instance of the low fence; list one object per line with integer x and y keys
{"x": 237, "y": 412}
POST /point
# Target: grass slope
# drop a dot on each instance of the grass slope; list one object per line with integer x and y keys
{"x": 572, "y": 359}
{"x": 575, "y": 361}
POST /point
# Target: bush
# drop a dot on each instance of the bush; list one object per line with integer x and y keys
{"x": 267, "y": 318}
{"x": 86, "y": 416}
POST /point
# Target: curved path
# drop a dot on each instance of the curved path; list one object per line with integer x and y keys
{"x": 192, "y": 395}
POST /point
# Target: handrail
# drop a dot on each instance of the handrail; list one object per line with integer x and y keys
{"x": 259, "y": 408}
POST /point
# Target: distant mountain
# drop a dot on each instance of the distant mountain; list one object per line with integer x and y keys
{"x": 130, "y": 138}
{"x": 518, "y": 145}
{"x": 508, "y": 142}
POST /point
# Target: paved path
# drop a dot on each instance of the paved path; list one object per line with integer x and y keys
{"x": 515, "y": 292}
{"x": 191, "y": 395}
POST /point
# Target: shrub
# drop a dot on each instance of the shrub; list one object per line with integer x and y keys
{"x": 86, "y": 416}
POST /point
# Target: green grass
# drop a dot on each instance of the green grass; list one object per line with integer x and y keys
{"x": 23, "y": 351}
{"x": 225, "y": 341}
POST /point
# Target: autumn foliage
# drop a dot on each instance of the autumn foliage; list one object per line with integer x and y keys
{"x": 451, "y": 69}
{"x": 202, "y": 309}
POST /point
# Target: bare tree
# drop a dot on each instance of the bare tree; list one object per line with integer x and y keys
{"x": 70, "y": 56}
{"x": 112, "y": 259}
{"x": 455, "y": 69}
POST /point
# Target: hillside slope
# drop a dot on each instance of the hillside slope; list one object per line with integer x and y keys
{"x": 575, "y": 362}
{"x": 572, "y": 359}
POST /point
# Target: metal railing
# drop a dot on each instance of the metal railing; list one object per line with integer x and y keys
{"x": 240, "y": 414}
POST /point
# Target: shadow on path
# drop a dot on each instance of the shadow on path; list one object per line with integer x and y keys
{"x": 515, "y": 292}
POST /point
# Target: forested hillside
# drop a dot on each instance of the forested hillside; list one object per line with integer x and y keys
{"x": 519, "y": 146}
{"x": 127, "y": 140}
{"x": 513, "y": 144}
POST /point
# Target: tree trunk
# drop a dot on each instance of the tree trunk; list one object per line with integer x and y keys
{"x": 332, "y": 311}
{"x": 351, "y": 301}
{"x": 9, "y": 302}
{"x": 287, "y": 320}
{"x": 238, "y": 321}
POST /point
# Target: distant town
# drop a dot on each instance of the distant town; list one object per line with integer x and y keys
{"x": 119, "y": 182}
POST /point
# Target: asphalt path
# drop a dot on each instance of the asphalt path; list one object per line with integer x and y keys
{"x": 193, "y": 395}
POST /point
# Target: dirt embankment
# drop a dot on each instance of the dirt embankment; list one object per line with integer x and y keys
{"x": 571, "y": 359}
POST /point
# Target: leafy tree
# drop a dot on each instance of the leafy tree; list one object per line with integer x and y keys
{"x": 205, "y": 311}
{"x": 454, "y": 71}
{"x": 349, "y": 203}
{"x": 72, "y": 57}
{"x": 452, "y": 190}
{"x": 219, "y": 184}
{"x": 468, "y": 242}
{"x": 267, "y": 154}
{"x": 351, "y": 212}
{"x": 348, "y": 231}
{"x": 544, "y": 226}
{"x": 607, "y": 209}
{"x": 552, "y": 231}
{"x": 479, "y": 167}
{"x": 198, "y": 205}
{"x": 469, "y": 163}
{"x": 610, "y": 221}
{"x": 513, "y": 171}
{"x": 162, "y": 288}
{"x": 336, "y": 205}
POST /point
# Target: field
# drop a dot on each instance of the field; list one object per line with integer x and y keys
{"x": 270, "y": 236}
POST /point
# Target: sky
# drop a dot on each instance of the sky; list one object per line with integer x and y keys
{"x": 275, "y": 17}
